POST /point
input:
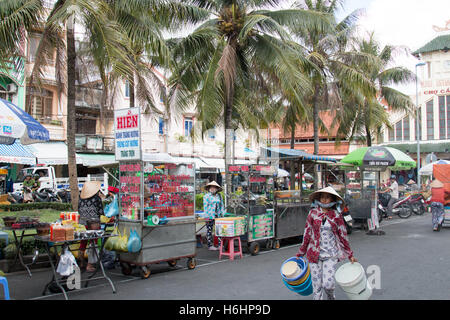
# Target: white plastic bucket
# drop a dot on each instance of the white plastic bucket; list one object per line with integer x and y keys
{"x": 351, "y": 277}
{"x": 364, "y": 295}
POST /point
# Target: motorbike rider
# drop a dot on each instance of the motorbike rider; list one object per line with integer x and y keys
{"x": 37, "y": 183}
{"x": 393, "y": 191}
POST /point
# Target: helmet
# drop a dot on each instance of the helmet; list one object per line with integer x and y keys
{"x": 36, "y": 175}
{"x": 393, "y": 176}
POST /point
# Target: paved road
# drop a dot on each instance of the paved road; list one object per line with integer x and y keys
{"x": 414, "y": 262}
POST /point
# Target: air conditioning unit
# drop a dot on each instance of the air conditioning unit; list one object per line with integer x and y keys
{"x": 11, "y": 88}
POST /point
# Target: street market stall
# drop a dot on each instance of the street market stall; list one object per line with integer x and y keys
{"x": 362, "y": 180}
{"x": 291, "y": 207}
{"x": 251, "y": 197}
{"x": 156, "y": 201}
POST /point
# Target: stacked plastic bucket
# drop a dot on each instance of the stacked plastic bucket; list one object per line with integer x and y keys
{"x": 296, "y": 276}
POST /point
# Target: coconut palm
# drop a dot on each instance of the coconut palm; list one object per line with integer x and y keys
{"x": 219, "y": 65}
{"x": 16, "y": 17}
{"x": 110, "y": 40}
{"x": 145, "y": 23}
{"x": 369, "y": 116}
{"x": 327, "y": 49}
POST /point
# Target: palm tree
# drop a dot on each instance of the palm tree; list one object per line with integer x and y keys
{"x": 218, "y": 65}
{"x": 334, "y": 71}
{"x": 367, "y": 120}
{"x": 110, "y": 40}
{"x": 16, "y": 17}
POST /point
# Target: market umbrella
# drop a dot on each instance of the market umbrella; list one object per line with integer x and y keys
{"x": 380, "y": 158}
{"x": 282, "y": 173}
{"x": 428, "y": 169}
{"x": 17, "y": 124}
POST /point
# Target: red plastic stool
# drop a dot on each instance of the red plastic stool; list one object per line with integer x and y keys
{"x": 231, "y": 253}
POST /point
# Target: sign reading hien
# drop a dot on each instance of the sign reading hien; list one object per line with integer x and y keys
{"x": 127, "y": 134}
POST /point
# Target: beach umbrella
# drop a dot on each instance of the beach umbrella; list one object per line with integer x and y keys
{"x": 428, "y": 169}
{"x": 379, "y": 158}
{"x": 17, "y": 124}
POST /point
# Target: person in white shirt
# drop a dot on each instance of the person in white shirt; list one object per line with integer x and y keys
{"x": 393, "y": 191}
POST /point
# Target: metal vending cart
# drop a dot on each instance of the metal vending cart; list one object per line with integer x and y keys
{"x": 361, "y": 196}
{"x": 290, "y": 215}
{"x": 152, "y": 191}
{"x": 252, "y": 196}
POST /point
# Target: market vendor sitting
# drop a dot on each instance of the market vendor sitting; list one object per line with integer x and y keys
{"x": 90, "y": 207}
{"x": 213, "y": 207}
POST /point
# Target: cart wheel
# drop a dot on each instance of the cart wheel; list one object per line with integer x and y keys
{"x": 276, "y": 244}
{"x": 191, "y": 263}
{"x": 254, "y": 248}
{"x": 126, "y": 268}
{"x": 172, "y": 263}
{"x": 269, "y": 244}
{"x": 145, "y": 272}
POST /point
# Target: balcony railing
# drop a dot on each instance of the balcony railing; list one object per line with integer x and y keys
{"x": 88, "y": 98}
{"x": 94, "y": 143}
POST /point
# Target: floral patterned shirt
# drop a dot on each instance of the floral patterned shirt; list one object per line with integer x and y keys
{"x": 213, "y": 206}
{"x": 311, "y": 236}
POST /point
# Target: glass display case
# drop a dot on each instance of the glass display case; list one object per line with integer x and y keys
{"x": 163, "y": 189}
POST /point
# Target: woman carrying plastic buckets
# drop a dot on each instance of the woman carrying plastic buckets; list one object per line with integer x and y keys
{"x": 325, "y": 241}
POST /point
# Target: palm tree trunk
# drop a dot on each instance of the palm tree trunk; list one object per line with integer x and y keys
{"x": 292, "y": 163}
{"x": 368, "y": 137}
{"x": 228, "y": 142}
{"x": 71, "y": 113}
{"x": 316, "y": 131}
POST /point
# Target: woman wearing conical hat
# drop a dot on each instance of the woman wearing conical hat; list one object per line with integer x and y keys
{"x": 213, "y": 207}
{"x": 325, "y": 241}
{"x": 89, "y": 207}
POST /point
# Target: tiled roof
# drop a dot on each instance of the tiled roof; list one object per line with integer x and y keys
{"x": 438, "y": 43}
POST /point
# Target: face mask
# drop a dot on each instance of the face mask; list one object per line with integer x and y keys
{"x": 326, "y": 205}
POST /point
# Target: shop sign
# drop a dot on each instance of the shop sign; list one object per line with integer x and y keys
{"x": 437, "y": 91}
{"x": 127, "y": 133}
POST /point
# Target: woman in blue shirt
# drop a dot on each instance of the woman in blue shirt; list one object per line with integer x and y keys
{"x": 213, "y": 207}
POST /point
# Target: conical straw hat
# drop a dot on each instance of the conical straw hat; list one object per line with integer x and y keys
{"x": 436, "y": 184}
{"x": 411, "y": 181}
{"x": 315, "y": 195}
{"x": 213, "y": 184}
{"x": 90, "y": 188}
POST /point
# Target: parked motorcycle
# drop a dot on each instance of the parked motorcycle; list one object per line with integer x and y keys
{"x": 347, "y": 219}
{"x": 401, "y": 207}
{"x": 45, "y": 195}
{"x": 64, "y": 195}
{"x": 15, "y": 197}
{"x": 417, "y": 202}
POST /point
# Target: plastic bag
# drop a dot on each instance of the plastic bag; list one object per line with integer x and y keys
{"x": 134, "y": 242}
{"x": 121, "y": 243}
{"x": 66, "y": 263}
{"x": 112, "y": 209}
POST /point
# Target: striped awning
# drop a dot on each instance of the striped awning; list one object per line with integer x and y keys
{"x": 16, "y": 153}
{"x": 286, "y": 154}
